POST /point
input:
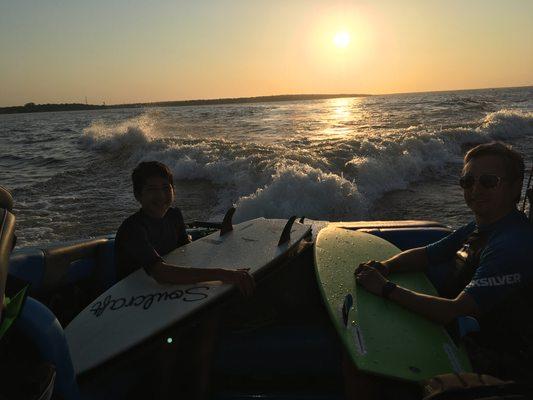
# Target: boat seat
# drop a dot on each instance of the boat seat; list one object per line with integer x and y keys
{"x": 48, "y": 269}
{"x": 40, "y": 326}
{"x": 6, "y": 200}
{"x": 7, "y": 236}
{"x": 66, "y": 277}
{"x": 386, "y": 224}
{"x": 410, "y": 237}
{"x": 72, "y": 263}
{"x": 7, "y": 228}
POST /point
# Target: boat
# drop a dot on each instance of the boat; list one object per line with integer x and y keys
{"x": 279, "y": 344}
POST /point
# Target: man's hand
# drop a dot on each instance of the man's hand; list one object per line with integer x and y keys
{"x": 382, "y": 268}
{"x": 241, "y": 278}
{"x": 369, "y": 278}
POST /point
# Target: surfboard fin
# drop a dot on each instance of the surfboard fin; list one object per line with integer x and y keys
{"x": 286, "y": 234}
{"x": 226, "y": 222}
{"x": 348, "y": 303}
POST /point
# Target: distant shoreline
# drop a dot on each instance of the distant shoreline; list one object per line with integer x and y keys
{"x": 32, "y": 107}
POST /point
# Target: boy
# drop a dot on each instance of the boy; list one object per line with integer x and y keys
{"x": 157, "y": 229}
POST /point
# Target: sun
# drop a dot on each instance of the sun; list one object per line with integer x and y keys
{"x": 341, "y": 39}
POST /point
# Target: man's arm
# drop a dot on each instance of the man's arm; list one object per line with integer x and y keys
{"x": 437, "y": 309}
{"x": 168, "y": 273}
{"x": 409, "y": 260}
{"x": 419, "y": 258}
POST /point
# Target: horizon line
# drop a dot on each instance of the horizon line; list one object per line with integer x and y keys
{"x": 259, "y": 98}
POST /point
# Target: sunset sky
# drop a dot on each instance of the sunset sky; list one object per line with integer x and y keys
{"x": 124, "y": 51}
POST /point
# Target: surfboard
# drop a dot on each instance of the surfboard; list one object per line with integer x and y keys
{"x": 138, "y": 307}
{"x": 381, "y": 337}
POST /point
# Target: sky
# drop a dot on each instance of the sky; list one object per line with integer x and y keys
{"x": 127, "y": 51}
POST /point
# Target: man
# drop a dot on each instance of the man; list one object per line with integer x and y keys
{"x": 493, "y": 261}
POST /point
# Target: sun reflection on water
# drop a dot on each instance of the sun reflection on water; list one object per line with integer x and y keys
{"x": 341, "y": 118}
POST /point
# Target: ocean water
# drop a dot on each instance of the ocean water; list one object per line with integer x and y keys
{"x": 378, "y": 157}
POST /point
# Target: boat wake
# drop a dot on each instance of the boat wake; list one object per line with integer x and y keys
{"x": 331, "y": 178}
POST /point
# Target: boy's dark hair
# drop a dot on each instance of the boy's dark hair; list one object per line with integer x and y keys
{"x": 512, "y": 160}
{"x": 147, "y": 169}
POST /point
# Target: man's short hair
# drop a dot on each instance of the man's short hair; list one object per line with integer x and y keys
{"x": 148, "y": 169}
{"x": 513, "y": 160}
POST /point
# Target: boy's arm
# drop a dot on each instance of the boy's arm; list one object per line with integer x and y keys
{"x": 168, "y": 273}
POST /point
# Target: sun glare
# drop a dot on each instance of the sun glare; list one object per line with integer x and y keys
{"x": 341, "y": 39}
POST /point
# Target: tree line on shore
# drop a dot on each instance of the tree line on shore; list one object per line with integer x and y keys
{"x": 32, "y": 107}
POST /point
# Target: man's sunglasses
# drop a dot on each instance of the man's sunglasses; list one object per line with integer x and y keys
{"x": 488, "y": 181}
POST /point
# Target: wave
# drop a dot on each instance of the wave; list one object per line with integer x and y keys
{"x": 30, "y": 161}
{"x": 331, "y": 179}
{"x": 507, "y": 124}
{"x": 121, "y": 136}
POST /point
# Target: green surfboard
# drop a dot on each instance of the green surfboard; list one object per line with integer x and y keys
{"x": 381, "y": 337}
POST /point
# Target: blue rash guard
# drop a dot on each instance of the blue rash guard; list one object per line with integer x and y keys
{"x": 505, "y": 263}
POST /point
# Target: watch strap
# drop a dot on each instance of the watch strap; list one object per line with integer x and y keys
{"x": 387, "y": 289}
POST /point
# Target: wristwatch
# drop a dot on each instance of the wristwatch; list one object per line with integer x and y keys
{"x": 387, "y": 289}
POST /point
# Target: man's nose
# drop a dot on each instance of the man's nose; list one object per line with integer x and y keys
{"x": 477, "y": 187}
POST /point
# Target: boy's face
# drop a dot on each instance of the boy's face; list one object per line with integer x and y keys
{"x": 156, "y": 196}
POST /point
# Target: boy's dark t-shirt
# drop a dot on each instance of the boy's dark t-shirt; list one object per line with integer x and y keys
{"x": 141, "y": 240}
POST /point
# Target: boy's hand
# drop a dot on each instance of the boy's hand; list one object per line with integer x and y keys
{"x": 377, "y": 265}
{"x": 241, "y": 278}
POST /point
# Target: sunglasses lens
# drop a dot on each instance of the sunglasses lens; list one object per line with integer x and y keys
{"x": 489, "y": 181}
{"x": 467, "y": 181}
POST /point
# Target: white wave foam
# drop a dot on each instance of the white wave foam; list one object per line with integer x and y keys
{"x": 331, "y": 179}
{"x": 507, "y": 124}
{"x": 121, "y": 136}
{"x": 304, "y": 191}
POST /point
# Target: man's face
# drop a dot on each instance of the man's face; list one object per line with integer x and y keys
{"x": 156, "y": 197}
{"x": 489, "y": 204}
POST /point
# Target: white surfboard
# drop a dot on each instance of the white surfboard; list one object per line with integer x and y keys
{"x": 138, "y": 307}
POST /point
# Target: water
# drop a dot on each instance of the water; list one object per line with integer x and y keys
{"x": 381, "y": 157}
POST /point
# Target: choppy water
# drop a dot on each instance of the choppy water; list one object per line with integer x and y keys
{"x": 380, "y": 157}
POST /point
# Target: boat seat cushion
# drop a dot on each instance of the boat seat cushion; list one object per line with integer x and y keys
{"x": 409, "y": 238}
{"x": 386, "y": 224}
{"x": 71, "y": 263}
{"x": 28, "y": 264}
{"x": 6, "y": 200}
{"x": 66, "y": 277}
